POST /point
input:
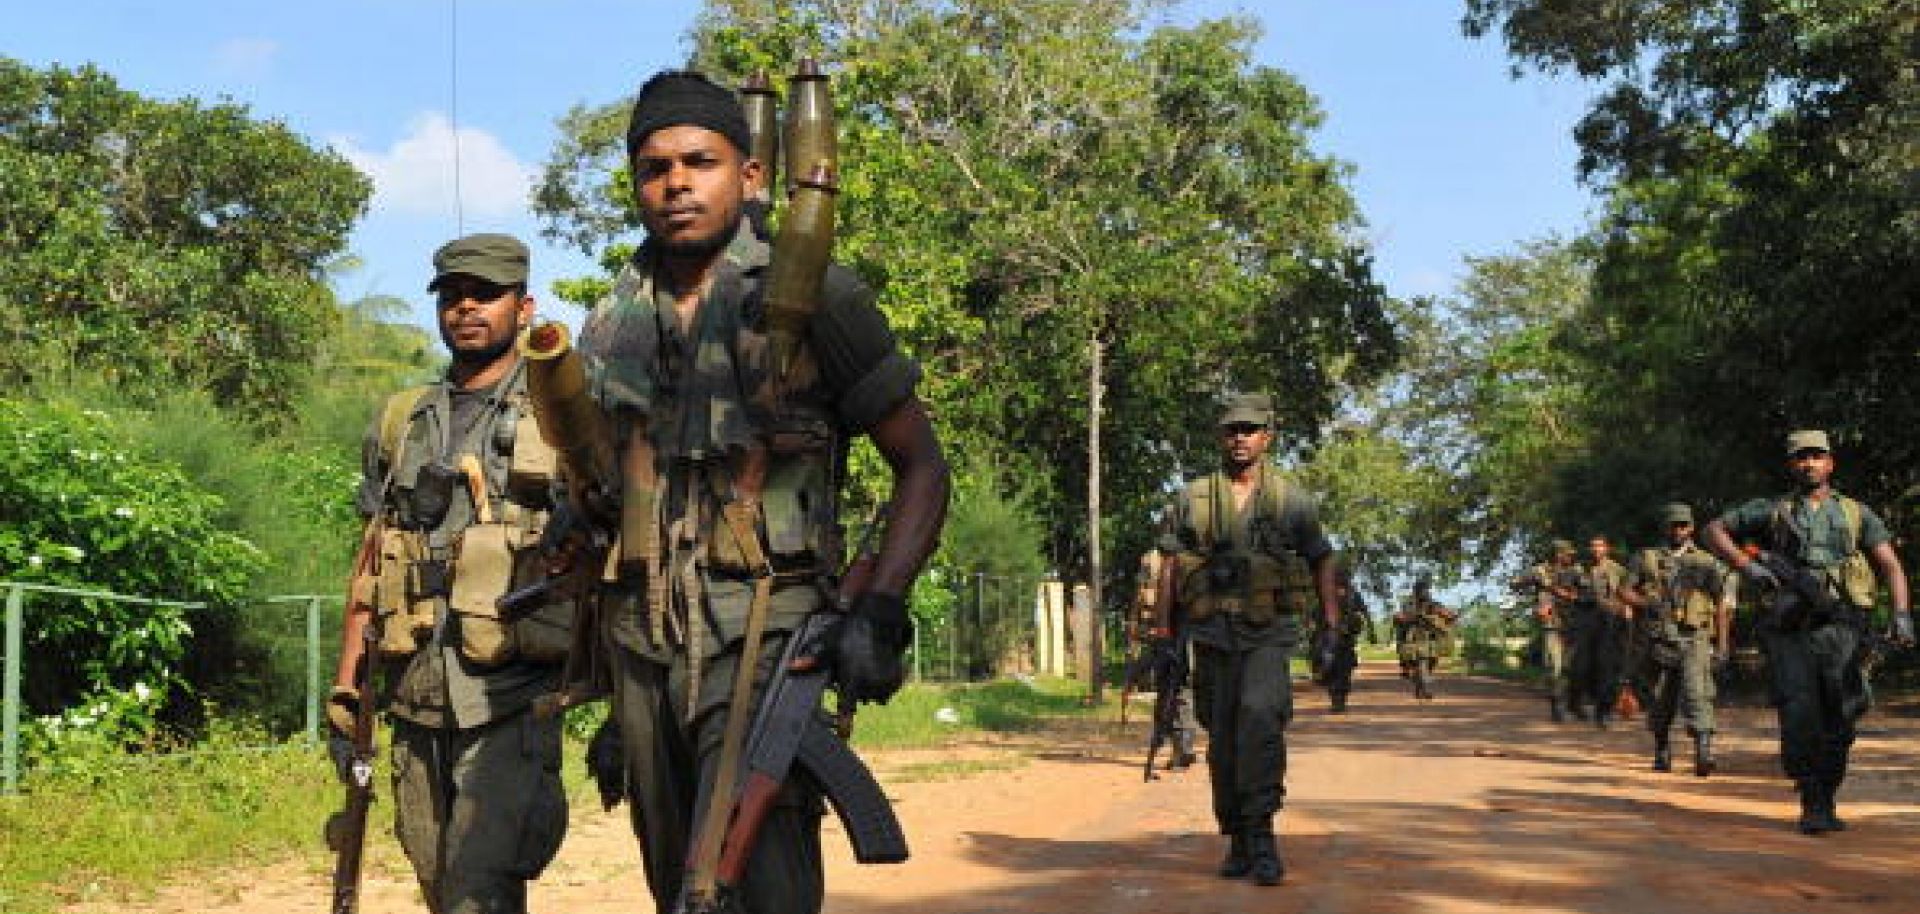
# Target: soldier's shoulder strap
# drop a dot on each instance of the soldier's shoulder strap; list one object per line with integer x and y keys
{"x": 394, "y": 415}
{"x": 1780, "y": 526}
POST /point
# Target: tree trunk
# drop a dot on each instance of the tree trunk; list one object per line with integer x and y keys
{"x": 1095, "y": 390}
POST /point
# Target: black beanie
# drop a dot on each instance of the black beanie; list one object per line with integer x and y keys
{"x": 677, "y": 97}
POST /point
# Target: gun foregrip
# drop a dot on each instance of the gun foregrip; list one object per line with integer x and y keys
{"x": 872, "y": 828}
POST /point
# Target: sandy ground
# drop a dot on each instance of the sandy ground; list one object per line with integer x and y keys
{"x": 1470, "y": 803}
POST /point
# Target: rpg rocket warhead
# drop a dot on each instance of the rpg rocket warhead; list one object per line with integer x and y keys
{"x": 810, "y": 132}
{"x": 570, "y": 421}
{"x": 797, "y": 275}
{"x": 763, "y": 125}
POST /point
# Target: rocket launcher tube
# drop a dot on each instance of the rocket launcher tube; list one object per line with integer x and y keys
{"x": 810, "y": 132}
{"x": 763, "y": 125}
{"x": 801, "y": 252}
{"x": 570, "y": 421}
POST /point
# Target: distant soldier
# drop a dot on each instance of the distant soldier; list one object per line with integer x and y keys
{"x": 1427, "y": 625}
{"x": 1249, "y": 560}
{"x": 1555, "y": 585}
{"x": 1683, "y": 603}
{"x": 1597, "y": 633}
{"x": 1146, "y": 616}
{"x": 1819, "y": 554}
{"x": 1335, "y": 670}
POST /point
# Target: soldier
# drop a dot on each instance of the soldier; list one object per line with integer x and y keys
{"x": 1682, "y": 601}
{"x": 1555, "y": 584}
{"x": 1335, "y": 671}
{"x": 1597, "y": 633}
{"x": 1819, "y": 553}
{"x": 461, "y": 484}
{"x": 1249, "y": 560}
{"x": 1146, "y": 618}
{"x": 1427, "y": 625}
{"x": 744, "y": 487}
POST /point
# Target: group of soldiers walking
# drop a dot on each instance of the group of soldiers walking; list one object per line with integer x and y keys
{"x": 1811, "y": 560}
{"x": 703, "y": 526}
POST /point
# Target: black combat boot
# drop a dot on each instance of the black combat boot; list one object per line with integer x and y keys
{"x": 1555, "y": 712}
{"x": 1813, "y": 807}
{"x": 1576, "y": 711}
{"x": 1703, "y": 763}
{"x": 1662, "y": 753}
{"x": 1829, "y": 803}
{"x": 1183, "y": 754}
{"x": 1263, "y": 850}
{"x": 1237, "y": 863}
{"x": 1339, "y": 702}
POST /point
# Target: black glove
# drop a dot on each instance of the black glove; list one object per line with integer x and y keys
{"x": 1757, "y": 572}
{"x": 340, "y": 751}
{"x": 607, "y": 764}
{"x": 1901, "y": 628}
{"x": 866, "y": 646}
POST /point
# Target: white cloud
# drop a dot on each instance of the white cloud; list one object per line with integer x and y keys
{"x": 247, "y": 58}
{"x": 416, "y": 174}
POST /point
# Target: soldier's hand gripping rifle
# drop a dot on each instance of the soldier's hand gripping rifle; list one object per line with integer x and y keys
{"x": 1169, "y": 670}
{"x": 346, "y": 830}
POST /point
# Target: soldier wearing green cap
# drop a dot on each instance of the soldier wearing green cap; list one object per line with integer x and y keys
{"x": 1818, "y": 555}
{"x": 1248, "y": 561}
{"x": 1682, "y": 599}
{"x": 458, "y": 480}
{"x": 1554, "y": 585}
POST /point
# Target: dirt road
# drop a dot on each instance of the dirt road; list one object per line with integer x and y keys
{"x": 1471, "y": 803}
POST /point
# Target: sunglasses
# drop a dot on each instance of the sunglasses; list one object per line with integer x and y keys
{"x": 1242, "y": 429}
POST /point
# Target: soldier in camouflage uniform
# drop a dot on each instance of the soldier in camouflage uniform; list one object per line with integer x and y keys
{"x": 1682, "y": 601}
{"x": 1335, "y": 670}
{"x": 1248, "y": 560}
{"x": 462, "y": 481}
{"x": 1596, "y": 633}
{"x": 1818, "y": 557}
{"x": 1555, "y": 584}
{"x": 738, "y": 483}
{"x": 1427, "y": 625}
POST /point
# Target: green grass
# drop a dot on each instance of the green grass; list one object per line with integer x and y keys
{"x": 1002, "y": 706}
{"x": 918, "y": 772}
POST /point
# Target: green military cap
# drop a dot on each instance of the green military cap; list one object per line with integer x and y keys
{"x": 1561, "y": 547}
{"x": 498, "y": 259}
{"x": 1253, "y": 409}
{"x": 1807, "y": 439}
{"x": 1677, "y": 513}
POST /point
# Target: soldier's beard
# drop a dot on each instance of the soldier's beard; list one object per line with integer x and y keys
{"x": 481, "y": 358}
{"x": 702, "y": 248}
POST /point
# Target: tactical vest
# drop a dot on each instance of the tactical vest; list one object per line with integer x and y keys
{"x": 1685, "y": 587}
{"x": 1260, "y": 579}
{"x": 1852, "y": 578}
{"x": 704, "y": 412}
{"x": 497, "y": 550}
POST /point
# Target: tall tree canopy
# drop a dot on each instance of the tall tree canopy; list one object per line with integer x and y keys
{"x": 163, "y": 242}
{"x": 1029, "y": 182}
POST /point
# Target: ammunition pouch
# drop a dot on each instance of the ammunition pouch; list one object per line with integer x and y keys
{"x": 1854, "y": 582}
{"x": 1696, "y": 609}
{"x": 494, "y": 559}
{"x": 795, "y": 521}
{"x": 403, "y": 595}
{"x": 531, "y": 471}
{"x": 1257, "y": 586}
{"x": 424, "y": 505}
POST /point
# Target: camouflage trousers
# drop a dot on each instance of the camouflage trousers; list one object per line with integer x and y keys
{"x": 480, "y": 812}
{"x": 1243, "y": 691}
{"x": 1818, "y": 691}
{"x": 670, "y": 766}
{"x": 1678, "y": 678}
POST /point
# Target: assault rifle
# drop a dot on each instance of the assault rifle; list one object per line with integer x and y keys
{"x": 1802, "y": 597}
{"x": 346, "y": 830}
{"x": 789, "y": 727}
{"x": 1169, "y": 671}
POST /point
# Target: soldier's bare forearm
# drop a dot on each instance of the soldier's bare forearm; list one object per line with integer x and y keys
{"x": 918, "y": 506}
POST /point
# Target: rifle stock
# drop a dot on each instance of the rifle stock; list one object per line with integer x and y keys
{"x": 346, "y": 830}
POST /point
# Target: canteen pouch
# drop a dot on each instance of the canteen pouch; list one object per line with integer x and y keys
{"x": 530, "y": 473}
{"x": 545, "y": 634}
{"x": 1854, "y": 581}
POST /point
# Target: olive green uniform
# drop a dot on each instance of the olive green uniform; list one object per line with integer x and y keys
{"x": 1427, "y": 626}
{"x": 1813, "y": 659}
{"x": 1338, "y": 675}
{"x": 1596, "y": 639}
{"x": 1684, "y": 587}
{"x": 478, "y": 804}
{"x": 1554, "y": 633}
{"x": 1245, "y": 582}
{"x": 672, "y": 650}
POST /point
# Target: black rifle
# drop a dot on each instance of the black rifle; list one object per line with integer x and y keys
{"x": 789, "y": 726}
{"x": 1169, "y": 671}
{"x": 1802, "y": 598}
{"x": 346, "y": 830}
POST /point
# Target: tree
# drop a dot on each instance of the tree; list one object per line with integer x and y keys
{"x": 164, "y": 244}
{"x": 1037, "y": 185}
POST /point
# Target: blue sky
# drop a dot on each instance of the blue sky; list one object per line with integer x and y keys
{"x": 1452, "y": 157}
